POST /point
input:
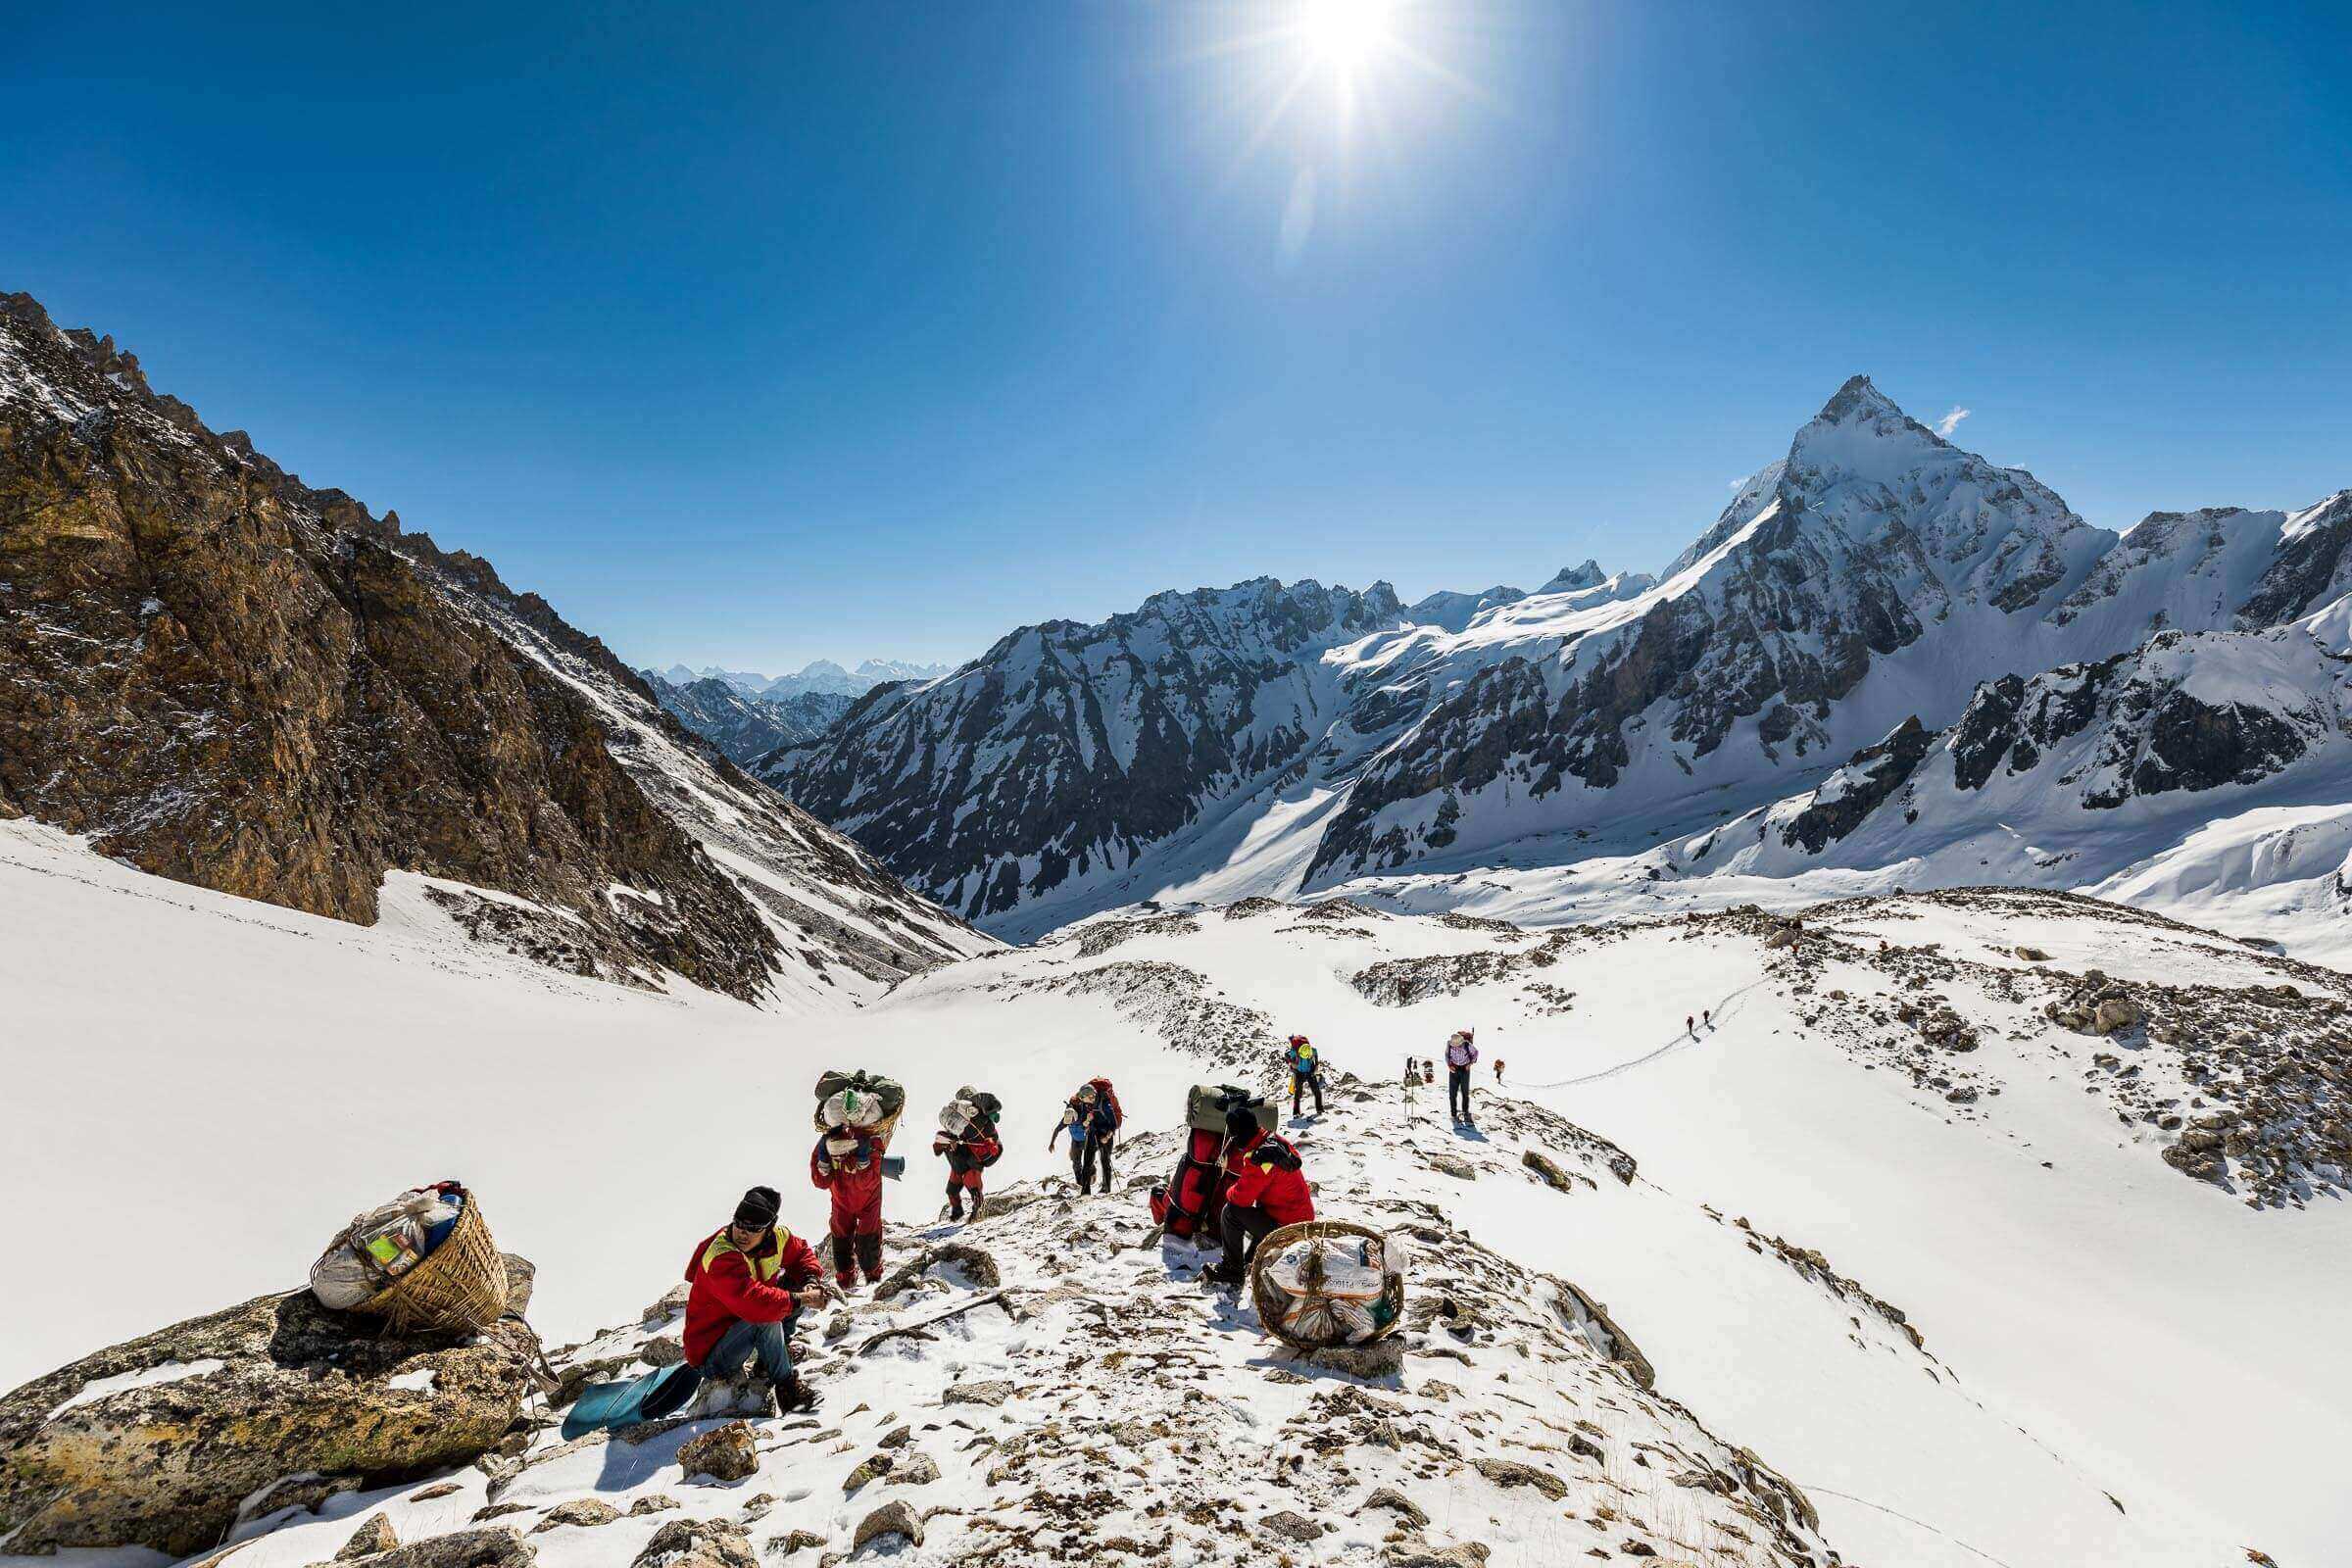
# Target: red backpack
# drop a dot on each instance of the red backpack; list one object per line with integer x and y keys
{"x": 1118, "y": 1117}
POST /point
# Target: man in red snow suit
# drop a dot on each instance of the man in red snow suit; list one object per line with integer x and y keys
{"x": 847, "y": 1163}
{"x": 969, "y": 1154}
{"x": 749, "y": 1281}
{"x": 1267, "y": 1191}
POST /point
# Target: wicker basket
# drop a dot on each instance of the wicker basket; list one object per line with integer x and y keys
{"x": 1269, "y": 1297}
{"x": 460, "y": 1286}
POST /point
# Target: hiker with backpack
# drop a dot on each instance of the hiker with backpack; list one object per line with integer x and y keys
{"x": 747, "y": 1283}
{"x": 1306, "y": 1071}
{"x": 1092, "y": 1117}
{"x": 968, "y": 1136}
{"x": 1461, "y": 1054}
{"x": 855, "y": 1114}
{"x": 1266, "y": 1191}
{"x": 847, "y": 1162}
{"x": 1412, "y": 1081}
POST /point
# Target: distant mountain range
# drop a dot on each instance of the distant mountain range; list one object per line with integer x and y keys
{"x": 747, "y": 714}
{"x": 823, "y": 676}
{"x": 1856, "y": 593}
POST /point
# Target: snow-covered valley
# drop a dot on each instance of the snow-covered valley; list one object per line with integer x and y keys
{"x": 2114, "y": 1362}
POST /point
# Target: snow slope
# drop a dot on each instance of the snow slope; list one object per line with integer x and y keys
{"x": 2115, "y": 1364}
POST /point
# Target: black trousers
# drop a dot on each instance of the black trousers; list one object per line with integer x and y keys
{"x": 1244, "y": 1229}
{"x": 1299, "y": 1084}
{"x": 1457, "y": 1092}
{"x": 851, "y": 1253}
{"x": 1085, "y": 1158}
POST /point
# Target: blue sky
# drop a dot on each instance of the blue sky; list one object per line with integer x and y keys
{"x": 754, "y": 333}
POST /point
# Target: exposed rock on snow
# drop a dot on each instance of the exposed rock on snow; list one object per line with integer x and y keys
{"x": 727, "y": 1453}
{"x": 294, "y": 1403}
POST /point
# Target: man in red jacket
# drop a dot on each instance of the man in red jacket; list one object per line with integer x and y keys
{"x": 847, "y": 1163}
{"x": 749, "y": 1280}
{"x": 1267, "y": 1190}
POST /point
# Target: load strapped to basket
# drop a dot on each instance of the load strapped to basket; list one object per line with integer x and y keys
{"x": 425, "y": 1260}
{"x": 973, "y": 1113}
{"x": 865, "y": 1102}
{"x": 1188, "y": 1204}
{"x": 1328, "y": 1283}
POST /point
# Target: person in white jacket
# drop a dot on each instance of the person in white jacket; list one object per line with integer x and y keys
{"x": 1461, "y": 1054}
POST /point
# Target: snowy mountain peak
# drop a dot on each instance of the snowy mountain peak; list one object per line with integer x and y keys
{"x": 1860, "y": 398}
{"x": 1453, "y": 612}
{"x": 1569, "y": 579}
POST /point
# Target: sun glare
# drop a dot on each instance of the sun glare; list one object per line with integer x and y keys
{"x": 1345, "y": 33}
{"x": 1333, "y": 93}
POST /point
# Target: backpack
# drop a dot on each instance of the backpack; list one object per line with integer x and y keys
{"x": 885, "y": 1091}
{"x": 1205, "y": 1106}
{"x": 1118, "y": 1117}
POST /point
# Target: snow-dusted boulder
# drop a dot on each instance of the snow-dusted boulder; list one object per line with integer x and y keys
{"x": 168, "y": 1440}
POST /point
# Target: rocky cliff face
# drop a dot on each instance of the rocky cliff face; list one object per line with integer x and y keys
{"x": 230, "y": 678}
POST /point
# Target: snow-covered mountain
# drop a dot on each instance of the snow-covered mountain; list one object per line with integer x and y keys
{"x": 1066, "y": 751}
{"x": 226, "y": 676}
{"x": 820, "y": 677}
{"x": 1874, "y": 574}
{"x": 745, "y": 728}
{"x": 2207, "y": 775}
{"x": 1897, "y": 1256}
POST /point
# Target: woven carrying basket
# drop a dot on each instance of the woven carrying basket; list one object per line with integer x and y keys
{"x": 460, "y": 1286}
{"x": 1270, "y": 1297}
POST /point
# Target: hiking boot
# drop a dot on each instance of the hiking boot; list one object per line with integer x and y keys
{"x": 794, "y": 1397}
{"x": 1222, "y": 1275}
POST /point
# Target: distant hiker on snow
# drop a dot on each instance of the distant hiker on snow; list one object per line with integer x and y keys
{"x": 1498, "y": 1072}
{"x": 847, "y": 1162}
{"x": 1413, "y": 1080}
{"x": 1461, "y": 1053}
{"x": 1092, "y": 1117}
{"x": 1267, "y": 1190}
{"x": 1690, "y": 1024}
{"x": 968, "y": 1136}
{"x": 749, "y": 1281}
{"x": 1706, "y": 1015}
{"x": 1306, "y": 1071}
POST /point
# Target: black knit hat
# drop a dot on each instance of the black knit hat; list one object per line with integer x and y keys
{"x": 759, "y": 1209}
{"x": 1240, "y": 1122}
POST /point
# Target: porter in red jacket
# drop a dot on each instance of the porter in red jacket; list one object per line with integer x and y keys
{"x": 849, "y": 1164}
{"x": 1267, "y": 1190}
{"x": 748, "y": 1281}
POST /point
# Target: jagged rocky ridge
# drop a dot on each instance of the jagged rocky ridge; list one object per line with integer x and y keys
{"x": 1069, "y": 747}
{"x": 230, "y": 678}
{"x": 1876, "y": 574}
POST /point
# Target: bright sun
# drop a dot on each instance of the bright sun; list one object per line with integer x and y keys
{"x": 1347, "y": 33}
